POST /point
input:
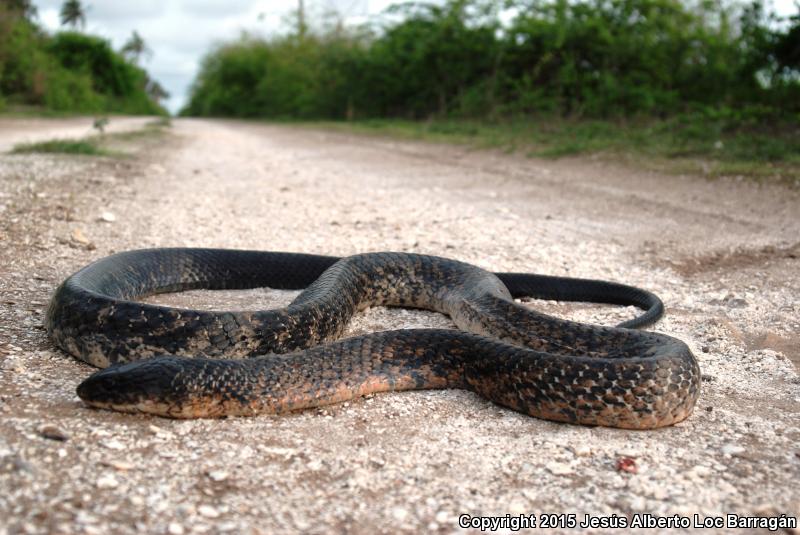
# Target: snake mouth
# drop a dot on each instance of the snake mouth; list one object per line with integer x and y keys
{"x": 131, "y": 387}
{"x": 154, "y": 386}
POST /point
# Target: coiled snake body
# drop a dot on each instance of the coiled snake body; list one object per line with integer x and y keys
{"x": 270, "y": 361}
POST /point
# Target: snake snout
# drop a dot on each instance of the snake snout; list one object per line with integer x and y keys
{"x": 127, "y": 386}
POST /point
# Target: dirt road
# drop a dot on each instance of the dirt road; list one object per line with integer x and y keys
{"x": 723, "y": 255}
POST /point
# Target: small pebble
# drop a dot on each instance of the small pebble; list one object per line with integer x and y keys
{"x": 80, "y": 237}
{"x": 732, "y": 449}
{"x": 315, "y": 465}
{"x": 122, "y": 466}
{"x": 559, "y": 469}
{"x": 208, "y": 511}
{"x": 107, "y": 482}
{"x": 701, "y": 471}
{"x": 582, "y": 450}
{"x": 108, "y": 217}
{"x": 399, "y": 514}
{"x": 53, "y": 433}
{"x": 159, "y": 431}
{"x": 113, "y": 444}
{"x": 627, "y": 464}
{"x": 175, "y": 529}
{"x": 218, "y": 475}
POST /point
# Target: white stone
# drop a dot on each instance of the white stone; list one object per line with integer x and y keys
{"x": 559, "y": 469}
{"x": 208, "y": 511}
{"x": 113, "y": 444}
{"x": 701, "y": 471}
{"x": 732, "y": 449}
{"x": 315, "y": 465}
{"x": 399, "y": 514}
{"x": 218, "y": 475}
{"x": 122, "y": 466}
{"x": 582, "y": 450}
{"x": 107, "y": 482}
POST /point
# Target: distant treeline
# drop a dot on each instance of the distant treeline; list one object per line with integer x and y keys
{"x": 590, "y": 58}
{"x": 68, "y": 71}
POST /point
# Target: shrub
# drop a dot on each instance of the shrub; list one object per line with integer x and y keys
{"x": 68, "y": 71}
{"x": 589, "y": 58}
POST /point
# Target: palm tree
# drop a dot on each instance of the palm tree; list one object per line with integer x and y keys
{"x": 73, "y": 14}
{"x": 135, "y": 47}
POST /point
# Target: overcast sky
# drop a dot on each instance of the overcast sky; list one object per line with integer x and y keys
{"x": 179, "y": 32}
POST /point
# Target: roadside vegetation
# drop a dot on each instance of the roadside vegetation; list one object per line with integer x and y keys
{"x": 113, "y": 144}
{"x": 683, "y": 144}
{"x": 69, "y": 72}
{"x": 708, "y": 81}
{"x": 62, "y": 146}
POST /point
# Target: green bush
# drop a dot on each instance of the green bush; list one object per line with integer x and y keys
{"x": 22, "y": 63}
{"x": 68, "y": 71}
{"x": 70, "y": 91}
{"x": 588, "y": 58}
{"x": 93, "y": 56}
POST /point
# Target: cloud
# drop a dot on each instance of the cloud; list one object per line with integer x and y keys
{"x": 215, "y": 8}
{"x": 139, "y": 10}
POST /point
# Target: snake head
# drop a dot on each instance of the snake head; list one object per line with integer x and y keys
{"x": 144, "y": 386}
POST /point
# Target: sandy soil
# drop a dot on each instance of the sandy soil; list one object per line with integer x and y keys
{"x": 723, "y": 255}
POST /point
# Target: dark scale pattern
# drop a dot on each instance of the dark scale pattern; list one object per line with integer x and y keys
{"x": 530, "y": 362}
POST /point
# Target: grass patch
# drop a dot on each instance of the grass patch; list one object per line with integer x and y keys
{"x": 62, "y": 146}
{"x": 99, "y": 145}
{"x": 688, "y": 144}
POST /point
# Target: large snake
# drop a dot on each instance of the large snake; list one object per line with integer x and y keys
{"x": 269, "y": 361}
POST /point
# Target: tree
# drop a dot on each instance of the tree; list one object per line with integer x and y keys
{"x": 156, "y": 92}
{"x": 73, "y": 14}
{"x": 787, "y": 48}
{"x": 135, "y": 47}
{"x": 21, "y": 7}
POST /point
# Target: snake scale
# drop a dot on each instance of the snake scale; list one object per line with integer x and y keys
{"x": 271, "y": 361}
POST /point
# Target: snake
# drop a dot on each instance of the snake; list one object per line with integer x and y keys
{"x": 182, "y": 363}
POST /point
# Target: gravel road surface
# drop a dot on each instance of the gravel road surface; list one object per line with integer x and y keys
{"x": 723, "y": 255}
